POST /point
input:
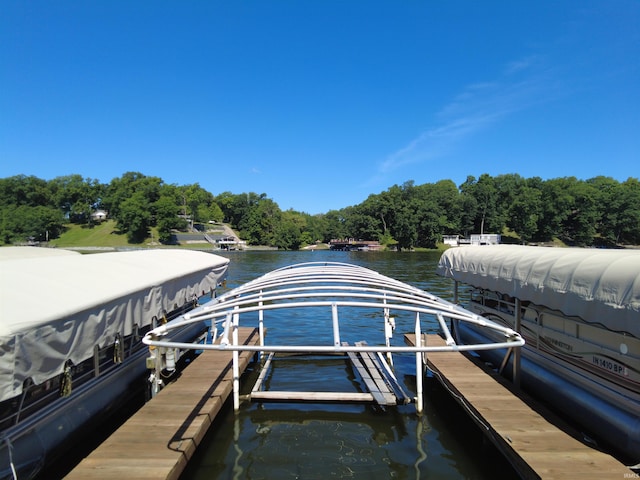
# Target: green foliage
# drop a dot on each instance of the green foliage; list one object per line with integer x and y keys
{"x": 486, "y": 216}
{"x": 76, "y": 197}
{"x": 524, "y": 209}
{"x": 167, "y": 215}
{"x": 25, "y": 191}
{"x": 334, "y": 224}
{"x": 262, "y": 222}
{"x": 287, "y": 235}
{"x": 626, "y": 226}
{"x": 134, "y": 217}
{"x": 619, "y": 221}
{"x": 23, "y": 224}
{"x": 599, "y": 211}
{"x": 199, "y": 204}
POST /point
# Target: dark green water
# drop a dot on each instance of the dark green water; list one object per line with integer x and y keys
{"x": 306, "y": 441}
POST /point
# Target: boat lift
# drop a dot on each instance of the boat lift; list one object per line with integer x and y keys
{"x": 333, "y": 288}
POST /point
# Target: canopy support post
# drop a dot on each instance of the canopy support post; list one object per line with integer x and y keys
{"x": 261, "y": 326}
{"x": 454, "y": 323}
{"x": 236, "y": 366}
{"x": 516, "y": 351}
{"x": 389, "y": 326}
{"x": 336, "y": 326}
{"x": 419, "y": 367}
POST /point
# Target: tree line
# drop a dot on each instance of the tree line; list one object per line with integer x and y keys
{"x": 600, "y": 211}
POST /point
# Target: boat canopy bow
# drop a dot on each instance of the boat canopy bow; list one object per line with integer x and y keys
{"x": 334, "y": 287}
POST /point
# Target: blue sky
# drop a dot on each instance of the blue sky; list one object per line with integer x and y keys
{"x": 319, "y": 104}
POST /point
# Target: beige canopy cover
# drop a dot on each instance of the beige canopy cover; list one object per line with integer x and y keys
{"x": 56, "y": 307}
{"x": 597, "y": 285}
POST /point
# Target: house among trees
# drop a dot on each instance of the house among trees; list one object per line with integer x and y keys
{"x": 451, "y": 240}
{"x": 474, "y": 239}
{"x": 99, "y": 216}
{"x": 350, "y": 244}
{"x": 231, "y": 243}
{"x": 485, "y": 239}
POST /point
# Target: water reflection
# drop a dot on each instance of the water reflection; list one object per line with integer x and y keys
{"x": 318, "y": 443}
{"x": 277, "y": 442}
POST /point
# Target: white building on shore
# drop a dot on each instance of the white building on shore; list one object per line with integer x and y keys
{"x": 474, "y": 239}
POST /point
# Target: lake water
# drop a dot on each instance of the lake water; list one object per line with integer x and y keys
{"x": 307, "y": 441}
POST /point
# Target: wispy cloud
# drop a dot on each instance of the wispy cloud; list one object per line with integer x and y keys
{"x": 526, "y": 63}
{"x": 479, "y": 106}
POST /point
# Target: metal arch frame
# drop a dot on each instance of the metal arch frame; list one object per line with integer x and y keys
{"x": 332, "y": 285}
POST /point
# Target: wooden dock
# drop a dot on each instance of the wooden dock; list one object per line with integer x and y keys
{"x": 524, "y": 432}
{"x": 158, "y": 440}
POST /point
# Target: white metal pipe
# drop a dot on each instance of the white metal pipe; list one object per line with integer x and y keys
{"x": 261, "y": 323}
{"x": 263, "y": 374}
{"x": 516, "y": 352}
{"x": 336, "y": 325}
{"x": 419, "y": 369}
{"x": 225, "y": 333}
{"x": 460, "y": 315}
{"x": 388, "y": 329}
{"x": 333, "y": 349}
{"x": 445, "y": 329}
{"x": 236, "y": 366}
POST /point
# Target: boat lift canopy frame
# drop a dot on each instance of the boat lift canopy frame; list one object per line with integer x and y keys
{"x": 335, "y": 286}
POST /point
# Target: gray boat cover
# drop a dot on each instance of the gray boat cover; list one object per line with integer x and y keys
{"x": 56, "y": 307}
{"x": 20, "y": 253}
{"x": 597, "y": 285}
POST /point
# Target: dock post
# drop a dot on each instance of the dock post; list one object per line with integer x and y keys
{"x": 419, "y": 368}
{"x": 516, "y": 351}
{"x": 236, "y": 367}
{"x": 261, "y": 325}
{"x": 336, "y": 326}
{"x": 454, "y": 323}
{"x": 389, "y": 326}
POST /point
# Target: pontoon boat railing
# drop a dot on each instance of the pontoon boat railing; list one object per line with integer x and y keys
{"x": 334, "y": 286}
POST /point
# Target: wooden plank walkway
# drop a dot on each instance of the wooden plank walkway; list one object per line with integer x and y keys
{"x": 528, "y": 437}
{"x": 159, "y": 439}
{"x": 372, "y": 376}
